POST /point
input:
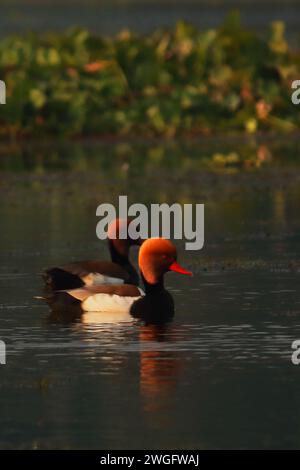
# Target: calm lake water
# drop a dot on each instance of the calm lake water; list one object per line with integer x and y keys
{"x": 220, "y": 374}
{"x": 112, "y": 16}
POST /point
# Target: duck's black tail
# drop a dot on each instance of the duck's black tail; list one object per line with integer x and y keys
{"x": 64, "y": 308}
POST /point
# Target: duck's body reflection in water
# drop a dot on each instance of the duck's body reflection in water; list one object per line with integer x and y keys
{"x": 159, "y": 373}
{"x": 159, "y": 367}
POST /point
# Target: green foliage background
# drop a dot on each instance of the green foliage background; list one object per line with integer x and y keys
{"x": 170, "y": 83}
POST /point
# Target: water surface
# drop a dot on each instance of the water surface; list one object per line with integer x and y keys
{"x": 112, "y": 16}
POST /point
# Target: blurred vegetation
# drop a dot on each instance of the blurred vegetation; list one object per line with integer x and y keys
{"x": 170, "y": 83}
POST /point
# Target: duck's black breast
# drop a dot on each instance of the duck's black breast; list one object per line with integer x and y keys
{"x": 157, "y": 307}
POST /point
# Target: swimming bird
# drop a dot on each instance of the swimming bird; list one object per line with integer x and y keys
{"x": 157, "y": 256}
{"x": 94, "y": 272}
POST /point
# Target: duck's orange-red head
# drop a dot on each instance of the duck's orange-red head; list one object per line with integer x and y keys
{"x": 158, "y": 256}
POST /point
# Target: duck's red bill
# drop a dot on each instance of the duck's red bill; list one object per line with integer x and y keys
{"x": 179, "y": 269}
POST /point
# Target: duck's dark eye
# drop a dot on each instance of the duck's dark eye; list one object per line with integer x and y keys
{"x": 166, "y": 259}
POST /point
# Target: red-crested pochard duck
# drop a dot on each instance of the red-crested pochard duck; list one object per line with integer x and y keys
{"x": 157, "y": 256}
{"x": 93, "y": 272}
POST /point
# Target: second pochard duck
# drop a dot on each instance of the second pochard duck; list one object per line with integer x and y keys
{"x": 94, "y": 272}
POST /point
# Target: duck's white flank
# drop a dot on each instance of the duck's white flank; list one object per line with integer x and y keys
{"x": 109, "y": 303}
